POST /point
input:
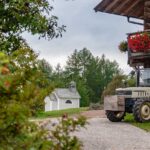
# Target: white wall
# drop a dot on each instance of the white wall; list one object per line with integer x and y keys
{"x": 50, "y": 104}
{"x": 59, "y": 104}
{"x": 47, "y": 104}
{"x": 64, "y": 105}
{"x": 54, "y": 105}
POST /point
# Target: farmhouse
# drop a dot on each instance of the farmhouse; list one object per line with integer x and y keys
{"x": 63, "y": 98}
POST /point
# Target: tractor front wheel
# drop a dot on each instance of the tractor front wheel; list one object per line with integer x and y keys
{"x": 115, "y": 116}
{"x": 141, "y": 110}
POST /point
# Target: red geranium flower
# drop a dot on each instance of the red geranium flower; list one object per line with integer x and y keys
{"x": 139, "y": 42}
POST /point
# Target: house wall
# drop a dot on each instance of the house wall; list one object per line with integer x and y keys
{"x": 64, "y": 105}
{"x": 47, "y": 104}
{"x": 54, "y": 105}
{"x": 50, "y": 104}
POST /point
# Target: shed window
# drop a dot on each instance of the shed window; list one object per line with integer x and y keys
{"x": 68, "y": 102}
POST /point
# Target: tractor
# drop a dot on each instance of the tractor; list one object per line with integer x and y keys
{"x": 134, "y": 100}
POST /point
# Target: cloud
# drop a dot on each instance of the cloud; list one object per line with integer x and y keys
{"x": 99, "y": 32}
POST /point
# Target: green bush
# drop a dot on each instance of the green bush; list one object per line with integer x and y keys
{"x": 22, "y": 93}
{"x": 117, "y": 82}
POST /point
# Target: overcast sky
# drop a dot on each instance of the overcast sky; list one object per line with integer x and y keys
{"x": 99, "y": 32}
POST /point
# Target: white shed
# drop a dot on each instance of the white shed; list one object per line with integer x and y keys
{"x": 63, "y": 98}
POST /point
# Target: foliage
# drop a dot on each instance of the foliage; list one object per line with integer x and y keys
{"x": 46, "y": 68}
{"x": 59, "y": 78}
{"x": 16, "y": 131}
{"x": 117, "y": 82}
{"x": 21, "y": 93}
{"x": 46, "y": 74}
{"x": 131, "y": 79}
{"x": 99, "y": 77}
{"x": 59, "y": 113}
{"x": 123, "y": 46}
{"x": 120, "y": 81}
{"x": 17, "y": 96}
{"x": 130, "y": 119}
{"x": 61, "y": 137}
{"x": 32, "y": 16}
{"x": 83, "y": 91}
{"x": 93, "y": 72}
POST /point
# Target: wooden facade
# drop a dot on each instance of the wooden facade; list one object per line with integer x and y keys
{"x": 139, "y": 9}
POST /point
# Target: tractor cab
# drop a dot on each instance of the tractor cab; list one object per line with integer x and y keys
{"x": 144, "y": 77}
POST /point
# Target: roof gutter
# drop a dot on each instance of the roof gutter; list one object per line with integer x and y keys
{"x": 134, "y": 22}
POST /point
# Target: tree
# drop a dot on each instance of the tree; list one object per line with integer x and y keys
{"x": 77, "y": 63}
{"x": 46, "y": 69}
{"x": 131, "y": 79}
{"x": 117, "y": 82}
{"x": 84, "y": 93}
{"x": 73, "y": 67}
{"x": 21, "y": 94}
{"x": 58, "y": 77}
{"x": 32, "y": 16}
{"x": 99, "y": 73}
{"x": 92, "y": 74}
{"x": 22, "y": 86}
{"x": 76, "y": 70}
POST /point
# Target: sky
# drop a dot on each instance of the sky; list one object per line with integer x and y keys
{"x": 99, "y": 32}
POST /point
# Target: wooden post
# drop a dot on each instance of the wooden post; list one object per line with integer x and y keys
{"x": 147, "y": 15}
{"x": 147, "y": 25}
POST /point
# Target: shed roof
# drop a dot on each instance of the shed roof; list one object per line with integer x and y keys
{"x": 129, "y": 8}
{"x": 66, "y": 93}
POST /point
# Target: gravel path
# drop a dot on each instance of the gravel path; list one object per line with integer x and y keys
{"x": 102, "y": 134}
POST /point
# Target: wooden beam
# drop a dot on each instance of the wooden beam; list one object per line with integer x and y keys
{"x": 121, "y": 6}
{"x": 130, "y": 8}
{"x": 101, "y": 6}
{"x": 111, "y": 5}
{"x": 147, "y": 3}
{"x": 138, "y": 10}
{"x": 147, "y": 8}
{"x": 147, "y": 15}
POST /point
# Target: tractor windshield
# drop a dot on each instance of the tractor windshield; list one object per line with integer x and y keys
{"x": 145, "y": 77}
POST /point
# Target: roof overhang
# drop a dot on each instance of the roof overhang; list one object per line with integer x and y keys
{"x": 128, "y": 8}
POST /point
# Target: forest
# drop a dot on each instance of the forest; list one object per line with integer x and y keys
{"x": 91, "y": 74}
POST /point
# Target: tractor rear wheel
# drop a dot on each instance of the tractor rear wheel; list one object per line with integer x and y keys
{"x": 141, "y": 110}
{"x": 115, "y": 116}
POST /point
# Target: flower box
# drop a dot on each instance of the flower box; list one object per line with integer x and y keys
{"x": 139, "y": 42}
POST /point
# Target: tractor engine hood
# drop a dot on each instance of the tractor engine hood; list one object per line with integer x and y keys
{"x": 129, "y": 90}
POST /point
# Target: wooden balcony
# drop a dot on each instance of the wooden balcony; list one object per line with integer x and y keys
{"x": 139, "y": 51}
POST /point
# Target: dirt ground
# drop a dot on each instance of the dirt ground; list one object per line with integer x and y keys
{"x": 94, "y": 114}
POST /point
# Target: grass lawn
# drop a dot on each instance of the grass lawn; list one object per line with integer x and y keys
{"x": 130, "y": 119}
{"x": 59, "y": 113}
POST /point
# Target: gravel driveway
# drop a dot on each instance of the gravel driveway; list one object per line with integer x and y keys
{"x": 104, "y": 135}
